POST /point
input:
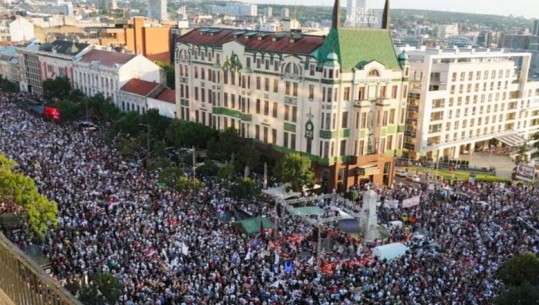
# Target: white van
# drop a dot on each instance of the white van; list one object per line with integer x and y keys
{"x": 390, "y": 251}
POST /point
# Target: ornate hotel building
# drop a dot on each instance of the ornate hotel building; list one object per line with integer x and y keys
{"x": 339, "y": 99}
{"x": 461, "y": 99}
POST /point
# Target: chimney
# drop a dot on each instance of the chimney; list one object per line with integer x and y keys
{"x": 385, "y": 16}
{"x": 336, "y": 17}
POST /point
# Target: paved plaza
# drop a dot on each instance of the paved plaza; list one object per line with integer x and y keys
{"x": 504, "y": 166}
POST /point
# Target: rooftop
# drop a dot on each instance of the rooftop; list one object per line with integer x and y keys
{"x": 107, "y": 58}
{"x": 168, "y": 95}
{"x": 357, "y": 47}
{"x": 64, "y": 47}
{"x": 253, "y": 40}
{"x": 139, "y": 87}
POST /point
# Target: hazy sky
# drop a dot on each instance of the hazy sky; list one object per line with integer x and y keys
{"x": 526, "y": 8}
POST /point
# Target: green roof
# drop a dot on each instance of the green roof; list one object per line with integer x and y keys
{"x": 252, "y": 225}
{"x": 357, "y": 47}
{"x": 305, "y": 211}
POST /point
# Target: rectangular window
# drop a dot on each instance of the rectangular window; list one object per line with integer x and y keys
{"x": 258, "y": 83}
{"x": 266, "y": 108}
{"x": 343, "y": 148}
{"x": 344, "y": 122}
{"x": 276, "y": 65}
{"x": 361, "y": 94}
{"x": 293, "y": 141}
{"x": 285, "y": 139}
{"x": 266, "y": 84}
{"x": 257, "y": 132}
{"x": 392, "y": 116}
{"x": 294, "y": 114}
{"x": 274, "y": 136}
{"x": 265, "y": 134}
{"x": 275, "y": 109}
{"x": 287, "y": 88}
{"x": 311, "y": 92}
{"x": 295, "y": 93}
{"x": 364, "y": 120}
{"x": 257, "y": 106}
{"x": 275, "y": 85}
{"x": 347, "y": 94}
{"x": 286, "y": 112}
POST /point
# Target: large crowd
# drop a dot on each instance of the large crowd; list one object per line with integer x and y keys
{"x": 166, "y": 249}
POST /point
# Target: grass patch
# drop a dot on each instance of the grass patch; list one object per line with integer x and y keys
{"x": 458, "y": 175}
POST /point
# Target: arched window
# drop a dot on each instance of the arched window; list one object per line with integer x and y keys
{"x": 374, "y": 73}
{"x": 292, "y": 69}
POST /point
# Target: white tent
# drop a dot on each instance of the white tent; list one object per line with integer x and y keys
{"x": 390, "y": 251}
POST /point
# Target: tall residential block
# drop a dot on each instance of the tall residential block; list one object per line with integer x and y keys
{"x": 157, "y": 9}
{"x": 461, "y": 99}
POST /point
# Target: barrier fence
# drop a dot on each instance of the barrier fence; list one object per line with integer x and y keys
{"x": 25, "y": 283}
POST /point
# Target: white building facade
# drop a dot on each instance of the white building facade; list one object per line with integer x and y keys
{"x": 105, "y": 72}
{"x": 21, "y": 29}
{"x": 461, "y": 99}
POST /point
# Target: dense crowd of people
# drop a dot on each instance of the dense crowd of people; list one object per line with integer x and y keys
{"x": 166, "y": 249}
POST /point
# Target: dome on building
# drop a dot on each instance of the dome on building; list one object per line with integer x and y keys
{"x": 403, "y": 56}
{"x": 332, "y": 56}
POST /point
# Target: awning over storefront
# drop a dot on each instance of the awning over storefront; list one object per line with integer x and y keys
{"x": 512, "y": 140}
{"x": 367, "y": 170}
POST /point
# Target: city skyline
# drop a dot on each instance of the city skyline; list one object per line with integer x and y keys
{"x": 493, "y": 7}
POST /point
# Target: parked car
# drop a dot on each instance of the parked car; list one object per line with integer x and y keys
{"x": 413, "y": 178}
{"x": 401, "y": 173}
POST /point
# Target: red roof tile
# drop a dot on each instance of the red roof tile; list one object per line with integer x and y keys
{"x": 107, "y": 58}
{"x": 306, "y": 44}
{"x": 139, "y": 87}
{"x": 168, "y": 95}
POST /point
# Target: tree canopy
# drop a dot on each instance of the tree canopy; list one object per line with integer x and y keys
{"x": 57, "y": 88}
{"x": 296, "y": 170}
{"x": 21, "y": 190}
{"x": 520, "y": 274}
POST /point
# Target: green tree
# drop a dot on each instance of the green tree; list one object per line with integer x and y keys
{"x": 56, "y": 89}
{"x": 520, "y": 274}
{"x": 522, "y": 157}
{"x": 520, "y": 269}
{"x": 103, "y": 288}
{"x": 188, "y": 134}
{"x": 209, "y": 169}
{"x": 225, "y": 146}
{"x": 247, "y": 155}
{"x": 169, "y": 73}
{"x": 8, "y": 86}
{"x": 101, "y": 107}
{"x": 186, "y": 185}
{"x": 157, "y": 123}
{"x": 245, "y": 189}
{"x": 129, "y": 124}
{"x": 226, "y": 172}
{"x": 525, "y": 294}
{"x": 170, "y": 175}
{"x": 21, "y": 190}
{"x": 296, "y": 170}
{"x": 70, "y": 111}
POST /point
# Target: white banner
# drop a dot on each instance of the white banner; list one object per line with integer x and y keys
{"x": 392, "y": 204}
{"x": 410, "y": 202}
{"x": 525, "y": 173}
